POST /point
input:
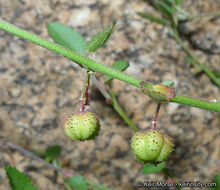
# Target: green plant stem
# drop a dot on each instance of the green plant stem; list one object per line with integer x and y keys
{"x": 92, "y": 65}
{"x": 196, "y": 60}
{"x": 214, "y": 106}
{"x": 153, "y": 18}
{"x": 117, "y": 107}
{"x": 95, "y": 66}
{"x": 113, "y": 101}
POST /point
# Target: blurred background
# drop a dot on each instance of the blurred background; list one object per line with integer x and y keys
{"x": 39, "y": 90}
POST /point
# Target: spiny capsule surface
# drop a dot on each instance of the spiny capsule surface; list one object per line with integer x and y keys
{"x": 82, "y": 126}
{"x": 151, "y": 147}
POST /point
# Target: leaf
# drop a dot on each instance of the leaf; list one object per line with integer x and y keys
{"x": 53, "y": 152}
{"x": 100, "y": 39}
{"x": 151, "y": 168}
{"x": 178, "y": 2}
{"x": 197, "y": 70}
{"x": 119, "y": 65}
{"x": 159, "y": 5}
{"x": 17, "y": 179}
{"x": 217, "y": 74}
{"x": 178, "y": 187}
{"x": 67, "y": 37}
{"x": 168, "y": 83}
{"x": 153, "y": 18}
{"x": 171, "y": 1}
{"x": 189, "y": 60}
{"x": 217, "y": 181}
{"x": 78, "y": 182}
{"x": 166, "y": 8}
{"x": 50, "y": 153}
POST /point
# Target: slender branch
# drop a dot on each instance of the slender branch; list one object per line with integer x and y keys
{"x": 84, "y": 100}
{"x": 85, "y": 91}
{"x": 154, "y": 120}
{"x": 214, "y": 105}
{"x": 53, "y": 166}
{"x": 117, "y": 107}
{"x": 203, "y": 67}
{"x": 113, "y": 101}
{"x": 101, "y": 89}
{"x": 33, "y": 156}
{"x": 98, "y": 67}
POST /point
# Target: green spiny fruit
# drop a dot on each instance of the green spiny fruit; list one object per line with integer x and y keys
{"x": 82, "y": 126}
{"x": 151, "y": 147}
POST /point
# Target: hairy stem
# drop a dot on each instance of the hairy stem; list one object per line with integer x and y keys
{"x": 98, "y": 67}
{"x": 215, "y": 106}
{"x": 92, "y": 65}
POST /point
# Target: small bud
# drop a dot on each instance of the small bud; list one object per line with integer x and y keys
{"x": 162, "y": 93}
{"x": 159, "y": 92}
{"x": 82, "y": 126}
